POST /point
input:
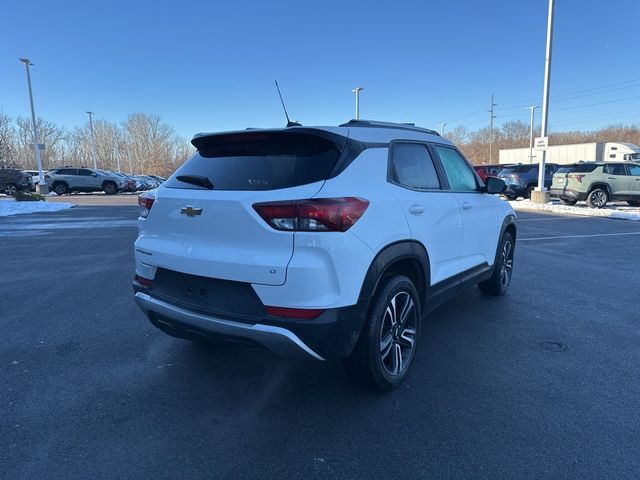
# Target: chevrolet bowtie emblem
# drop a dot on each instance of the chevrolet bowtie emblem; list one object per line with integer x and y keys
{"x": 190, "y": 211}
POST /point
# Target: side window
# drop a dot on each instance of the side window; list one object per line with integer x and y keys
{"x": 460, "y": 175}
{"x": 84, "y": 172}
{"x": 634, "y": 170}
{"x": 615, "y": 169}
{"x": 412, "y": 166}
{"x": 67, "y": 171}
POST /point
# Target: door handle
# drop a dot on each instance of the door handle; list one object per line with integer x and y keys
{"x": 467, "y": 205}
{"x": 611, "y": 178}
{"x": 637, "y": 179}
{"x": 416, "y": 209}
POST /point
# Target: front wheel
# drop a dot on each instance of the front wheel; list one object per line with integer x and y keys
{"x": 500, "y": 280}
{"x": 10, "y": 189}
{"x": 387, "y": 344}
{"x": 597, "y": 198}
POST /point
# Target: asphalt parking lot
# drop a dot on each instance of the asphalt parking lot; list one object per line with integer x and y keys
{"x": 541, "y": 383}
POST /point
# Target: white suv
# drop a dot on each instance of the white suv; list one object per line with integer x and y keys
{"x": 320, "y": 242}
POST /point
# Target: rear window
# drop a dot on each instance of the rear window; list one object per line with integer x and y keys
{"x": 519, "y": 168}
{"x": 261, "y": 160}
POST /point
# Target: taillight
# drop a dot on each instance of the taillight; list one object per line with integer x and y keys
{"x": 145, "y": 202}
{"x": 578, "y": 177}
{"x": 313, "y": 215}
{"x": 302, "y": 313}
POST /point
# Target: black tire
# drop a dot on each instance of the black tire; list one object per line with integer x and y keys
{"x": 10, "y": 189}
{"x": 110, "y": 188}
{"x": 564, "y": 201}
{"x": 500, "y": 280}
{"x": 634, "y": 203}
{"x": 528, "y": 191}
{"x": 509, "y": 197}
{"x": 385, "y": 350}
{"x": 597, "y": 198}
{"x": 60, "y": 188}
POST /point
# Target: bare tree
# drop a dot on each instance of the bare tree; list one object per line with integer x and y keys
{"x": 8, "y": 154}
{"x": 51, "y": 135}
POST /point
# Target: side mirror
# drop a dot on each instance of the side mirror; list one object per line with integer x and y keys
{"x": 495, "y": 185}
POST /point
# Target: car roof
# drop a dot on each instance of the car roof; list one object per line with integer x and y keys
{"x": 367, "y": 131}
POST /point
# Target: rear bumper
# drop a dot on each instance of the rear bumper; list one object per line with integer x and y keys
{"x": 568, "y": 194}
{"x": 331, "y": 335}
{"x": 277, "y": 339}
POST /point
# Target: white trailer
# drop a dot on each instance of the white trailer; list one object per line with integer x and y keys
{"x": 579, "y": 152}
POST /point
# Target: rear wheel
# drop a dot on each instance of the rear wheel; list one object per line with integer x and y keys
{"x": 110, "y": 188}
{"x": 60, "y": 188}
{"x": 10, "y": 188}
{"x": 528, "y": 192}
{"x": 597, "y": 198}
{"x": 387, "y": 344}
{"x": 634, "y": 203}
{"x": 564, "y": 201}
{"x": 499, "y": 282}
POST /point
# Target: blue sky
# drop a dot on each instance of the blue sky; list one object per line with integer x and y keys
{"x": 210, "y": 65}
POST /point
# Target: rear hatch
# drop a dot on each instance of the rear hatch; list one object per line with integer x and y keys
{"x": 571, "y": 176}
{"x": 203, "y": 221}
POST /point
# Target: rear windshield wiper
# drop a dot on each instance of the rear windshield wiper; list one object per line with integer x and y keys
{"x": 199, "y": 180}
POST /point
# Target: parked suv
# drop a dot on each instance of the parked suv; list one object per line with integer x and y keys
{"x": 13, "y": 180}
{"x": 320, "y": 242}
{"x": 69, "y": 179}
{"x": 598, "y": 183}
{"x": 522, "y": 179}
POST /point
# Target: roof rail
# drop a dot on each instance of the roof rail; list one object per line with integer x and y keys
{"x": 378, "y": 124}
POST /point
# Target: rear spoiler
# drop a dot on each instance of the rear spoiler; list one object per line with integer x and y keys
{"x": 201, "y": 139}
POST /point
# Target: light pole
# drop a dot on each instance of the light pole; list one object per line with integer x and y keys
{"x": 533, "y": 109}
{"x": 42, "y": 185}
{"x": 491, "y": 118}
{"x": 442, "y": 125}
{"x": 357, "y": 91}
{"x": 541, "y": 195}
{"x": 93, "y": 140}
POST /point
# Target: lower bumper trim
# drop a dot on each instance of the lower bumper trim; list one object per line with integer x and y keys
{"x": 277, "y": 339}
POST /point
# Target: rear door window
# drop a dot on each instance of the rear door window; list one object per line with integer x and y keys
{"x": 412, "y": 166}
{"x": 261, "y": 160}
{"x": 615, "y": 169}
{"x": 634, "y": 170}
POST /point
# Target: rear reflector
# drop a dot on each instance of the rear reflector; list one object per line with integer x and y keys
{"x": 313, "y": 215}
{"x": 143, "y": 281}
{"x": 302, "y": 313}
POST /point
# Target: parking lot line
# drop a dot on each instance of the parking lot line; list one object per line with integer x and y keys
{"x": 559, "y": 237}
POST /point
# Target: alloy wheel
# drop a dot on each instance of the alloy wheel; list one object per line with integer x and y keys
{"x": 398, "y": 333}
{"x": 507, "y": 264}
{"x": 598, "y": 198}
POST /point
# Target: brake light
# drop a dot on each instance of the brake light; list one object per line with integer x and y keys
{"x": 313, "y": 215}
{"x": 578, "y": 177}
{"x": 145, "y": 202}
{"x": 301, "y": 313}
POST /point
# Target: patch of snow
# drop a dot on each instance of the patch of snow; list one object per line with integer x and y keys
{"x": 613, "y": 211}
{"x": 10, "y": 207}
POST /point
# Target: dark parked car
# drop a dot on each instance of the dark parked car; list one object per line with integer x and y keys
{"x": 485, "y": 171}
{"x": 522, "y": 179}
{"x": 13, "y": 180}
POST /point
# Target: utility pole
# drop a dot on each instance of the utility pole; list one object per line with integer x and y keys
{"x": 442, "y": 125}
{"x": 541, "y": 195}
{"x": 42, "y": 186}
{"x": 93, "y": 141}
{"x": 491, "y": 117}
{"x": 357, "y": 91}
{"x": 533, "y": 109}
